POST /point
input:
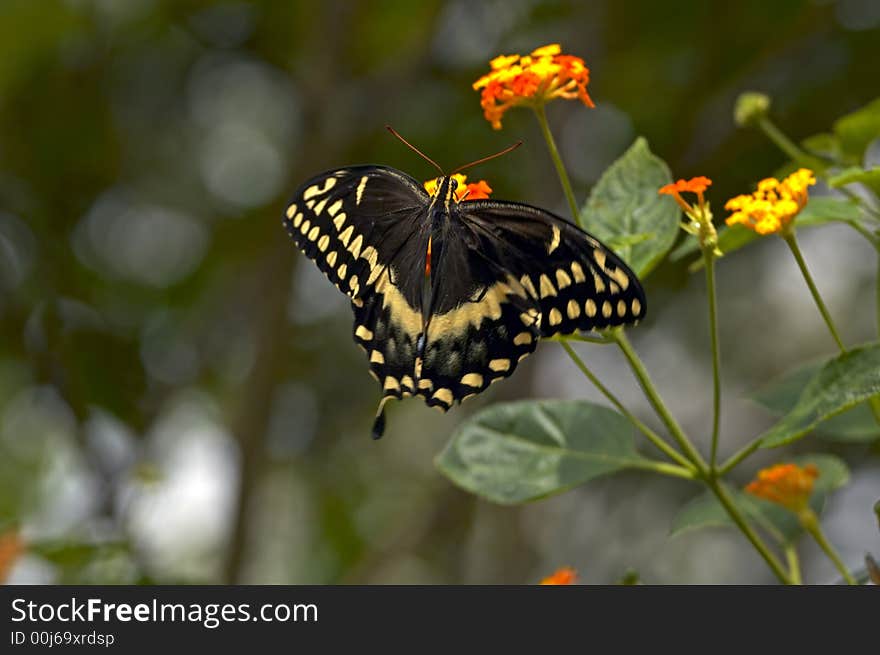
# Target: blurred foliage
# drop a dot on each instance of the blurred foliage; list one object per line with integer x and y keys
{"x": 179, "y": 396}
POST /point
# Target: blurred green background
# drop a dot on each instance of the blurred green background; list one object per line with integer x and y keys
{"x": 180, "y": 398}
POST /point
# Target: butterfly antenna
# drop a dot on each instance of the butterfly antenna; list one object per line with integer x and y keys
{"x": 485, "y": 159}
{"x": 412, "y": 147}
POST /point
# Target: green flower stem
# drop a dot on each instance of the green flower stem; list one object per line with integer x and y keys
{"x": 709, "y": 259}
{"x": 811, "y": 524}
{"x": 739, "y": 456}
{"x": 651, "y": 392}
{"x": 666, "y": 469}
{"x": 788, "y": 146}
{"x": 652, "y": 436}
{"x": 789, "y": 238}
{"x": 599, "y": 341}
{"x": 557, "y": 161}
{"x": 726, "y": 501}
{"x": 794, "y": 564}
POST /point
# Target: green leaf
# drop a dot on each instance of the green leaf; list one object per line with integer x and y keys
{"x": 823, "y": 145}
{"x": 515, "y": 452}
{"x": 840, "y": 384}
{"x": 819, "y": 211}
{"x": 780, "y": 396}
{"x": 857, "y": 175}
{"x": 856, "y": 130}
{"x": 625, "y": 203}
{"x": 705, "y": 511}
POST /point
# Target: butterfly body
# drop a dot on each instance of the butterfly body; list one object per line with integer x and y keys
{"x": 449, "y": 296}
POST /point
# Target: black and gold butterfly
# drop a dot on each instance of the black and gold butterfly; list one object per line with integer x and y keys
{"x": 449, "y": 296}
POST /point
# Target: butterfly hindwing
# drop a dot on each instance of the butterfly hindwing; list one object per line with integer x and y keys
{"x": 579, "y": 283}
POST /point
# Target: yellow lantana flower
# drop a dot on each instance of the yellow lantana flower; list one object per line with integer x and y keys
{"x": 464, "y": 191}
{"x": 775, "y": 204}
{"x": 788, "y": 485}
{"x": 530, "y": 80}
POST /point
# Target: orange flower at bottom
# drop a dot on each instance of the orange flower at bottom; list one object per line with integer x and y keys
{"x": 788, "y": 485}
{"x": 464, "y": 191}
{"x": 11, "y": 547}
{"x": 563, "y": 576}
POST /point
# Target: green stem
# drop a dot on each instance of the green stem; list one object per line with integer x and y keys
{"x": 599, "y": 341}
{"x": 794, "y": 564}
{"x": 709, "y": 259}
{"x": 726, "y": 501}
{"x": 789, "y": 238}
{"x": 788, "y": 146}
{"x": 652, "y": 436}
{"x": 739, "y": 456}
{"x": 557, "y": 161}
{"x": 656, "y": 402}
{"x": 811, "y": 524}
{"x": 664, "y": 468}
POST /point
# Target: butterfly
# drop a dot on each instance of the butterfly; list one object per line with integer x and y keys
{"x": 450, "y": 295}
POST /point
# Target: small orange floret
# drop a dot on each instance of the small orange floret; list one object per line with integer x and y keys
{"x": 565, "y": 575}
{"x": 694, "y": 185}
{"x": 11, "y": 548}
{"x": 788, "y": 485}
{"x": 531, "y": 80}
{"x": 774, "y": 205}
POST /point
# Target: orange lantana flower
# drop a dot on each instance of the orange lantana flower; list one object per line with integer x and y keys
{"x": 565, "y": 575}
{"x": 788, "y": 485}
{"x": 774, "y": 205}
{"x": 532, "y": 80}
{"x": 700, "y": 218}
{"x": 464, "y": 191}
{"x": 11, "y": 548}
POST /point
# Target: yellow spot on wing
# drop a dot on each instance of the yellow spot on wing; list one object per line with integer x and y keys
{"x": 377, "y": 358}
{"x": 573, "y": 309}
{"x": 555, "y": 316}
{"x": 578, "y": 272}
{"x": 443, "y": 395}
{"x": 305, "y": 226}
{"x": 547, "y": 289}
{"x": 331, "y": 258}
{"x": 621, "y": 277}
{"x": 323, "y": 242}
{"x": 343, "y": 269}
{"x": 407, "y": 383}
{"x": 316, "y": 190}
{"x": 599, "y": 256}
{"x": 636, "y": 306}
{"x": 364, "y": 333}
{"x": 339, "y": 221}
{"x": 554, "y": 240}
{"x": 426, "y": 384}
{"x": 345, "y": 236}
{"x": 335, "y": 207}
{"x": 606, "y": 309}
{"x": 360, "y": 189}
{"x": 499, "y": 365}
{"x": 391, "y": 383}
{"x": 355, "y": 247}
{"x": 291, "y": 211}
{"x": 621, "y": 308}
{"x": 590, "y": 308}
{"x": 562, "y": 279}
{"x": 527, "y": 283}
{"x": 320, "y": 206}
{"x": 298, "y": 220}
{"x": 313, "y": 234}
{"x": 456, "y": 320}
{"x": 600, "y": 285}
{"x": 522, "y": 339}
{"x": 472, "y": 380}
